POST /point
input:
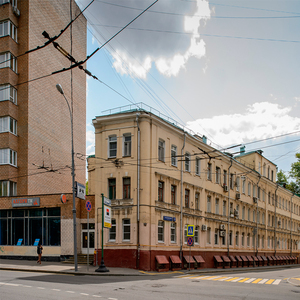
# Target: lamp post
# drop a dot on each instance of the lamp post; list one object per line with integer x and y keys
{"x": 59, "y": 88}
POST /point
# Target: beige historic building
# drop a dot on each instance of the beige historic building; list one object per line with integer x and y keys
{"x": 162, "y": 178}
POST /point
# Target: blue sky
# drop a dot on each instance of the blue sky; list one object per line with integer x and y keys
{"x": 226, "y": 69}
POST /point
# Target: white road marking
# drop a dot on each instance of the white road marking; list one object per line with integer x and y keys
{"x": 250, "y": 280}
{"x": 84, "y": 294}
{"x": 277, "y": 281}
{"x": 26, "y": 285}
{"x": 11, "y": 284}
{"x": 263, "y": 281}
{"x": 41, "y": 288}
{"x": 225, "y": 278}
{"x": 97, "y": 296}
{"x": 235, "y": 280}
{"x": 57, "y": 290}
{"x": 112, "y": 298}
{"x": 70, "y": 292}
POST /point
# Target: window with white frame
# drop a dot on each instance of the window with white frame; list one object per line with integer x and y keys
{"x": 127, "y": 144}
{"x": 197, "y": 201}
{"x": 243, "y": 239}
{"x": 237, "y": 238}
{"x": 249, "y": 212}
{"x": 258, "y": 217}
{"x": 126, "y": 229}
{"x": 230, "y": 238}
{"x": 216, "y": 236}
{"x": 160, "y": 191}
{"x": 8, "y": 124}
{"x": 263, "y": 218}
{"x": 263, "y": 195}
{"x": 8, "y": 92}
{"x": 187, "y": 162}
{"x": 8, "y": 188}
{"x": 209, "y": 171}
{"x": 8, "y": 28}
{"x": 231, "y": 181}
{"x": 126, "y": 187}
{"x": 173, "y": 194}
{"x": 217, "y": 206}
{"x": 263, "y": 241}
{"x": 208, "y": 235}
{"x": 244, "y": 185}
{"x": 8, "y": 157}
{"x": 254, "y": 190}
{"x": 7, "y": 60}
{"x": 160, "y": 231}
{"x": 254, "y": 214}
{"x": 112, "y": 146}
{"x": 224, "y": 177}
{"x": 196, "y": 235}
{"x": 173, "y": 232}
{"x": 161, "y": 150}
{"x": 243, "y": 213}
{"x": 112, "y": 231}
{"x": 224, "y": 208}
{"x": 197, "y": 166}
{"x": 248, "y": 240}
{"x": 208, "y": 204}
{"x": 174, "y": 155}
{"x": 249, "y": 189}
{"x": 238, "y": 184}
{"x": 218, "y": 175}
{"x": 187, "y": 198}
{"x": 258, "y": 192}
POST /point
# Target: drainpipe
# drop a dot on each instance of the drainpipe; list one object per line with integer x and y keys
{"x": 291, "y": 242}
{"x": 138, "y": 192}
{"x": 228, "y": 221}
{"x": 256, "y": 252}
{"x": 275, "y": 246}
{"x": 181, "y": 196}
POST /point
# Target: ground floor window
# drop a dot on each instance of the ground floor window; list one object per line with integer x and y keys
{"x": 161, "y": 231}
{"x": 30, "y": 224}
{"x": 173, "y": 232}
{"x": 126, "y": 229}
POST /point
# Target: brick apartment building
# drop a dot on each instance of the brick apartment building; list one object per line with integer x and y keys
{"x": 35, "y": 126}
{"x": 162, "y": 178}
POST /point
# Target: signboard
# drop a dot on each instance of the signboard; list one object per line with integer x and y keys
{"x": 36, "y": 242}
{"x": 80, "y": 191}
{"x": 166, "y": 218}
{"x": 190, "y": 241}
{"x": 88, "y": 206}
{"x": 19, "y": 243}
{"x": 107, "y": 201}
{"x": 190, "y": 230}
{"x": 107, "y": 216}
{"x": 63, "y": 198}
{"x": 25, "y": 202}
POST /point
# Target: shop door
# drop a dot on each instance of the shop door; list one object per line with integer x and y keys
{"x": 84, "y": 238}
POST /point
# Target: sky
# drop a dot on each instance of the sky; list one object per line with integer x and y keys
{"x": 228, "y": 70}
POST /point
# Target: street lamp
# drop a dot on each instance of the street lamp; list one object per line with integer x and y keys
{"x": 59, "y": 88}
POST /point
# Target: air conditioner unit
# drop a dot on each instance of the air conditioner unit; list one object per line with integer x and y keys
{"x": 204, "y": 227}
{"x": 16, "y": 12}
{"x": 222, "y": 233}
{"x": 231, "y": 214}
{"x": 225, "y": 188}
{"x": 255, "y": 199}
{"x": 236, "y": 213}
{"x": 222, "y": 226}
{"x": 238, "y": 196}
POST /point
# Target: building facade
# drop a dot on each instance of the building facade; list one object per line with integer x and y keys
{"x": 35, "y": 125}
{"x": 162, "y": 178}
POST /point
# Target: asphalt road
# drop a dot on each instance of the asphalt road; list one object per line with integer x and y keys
{"x": 276, "y": 284}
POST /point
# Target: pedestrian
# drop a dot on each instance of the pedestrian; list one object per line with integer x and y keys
{"x": 39, "y": 251}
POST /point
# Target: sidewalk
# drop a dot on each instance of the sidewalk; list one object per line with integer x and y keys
{"x": 64, "y": 268}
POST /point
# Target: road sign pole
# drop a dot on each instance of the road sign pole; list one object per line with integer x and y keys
{"x": 102, "y": 267}
{"x": 190, "y": 260}
{"x": 88, "y": 239}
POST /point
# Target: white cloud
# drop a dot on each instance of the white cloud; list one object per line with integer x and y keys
{"x": 259, "y": 121}
{"x": 90, "y": 136}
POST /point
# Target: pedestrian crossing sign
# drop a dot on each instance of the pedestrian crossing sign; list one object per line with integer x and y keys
{"x": 190, "y": 230}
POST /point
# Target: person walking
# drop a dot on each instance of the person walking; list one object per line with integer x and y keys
{"x": 39, "y": 251}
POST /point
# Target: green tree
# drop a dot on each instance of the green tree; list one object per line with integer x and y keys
{"x": 282, "y": 179}
{"x": 87, "y": 188}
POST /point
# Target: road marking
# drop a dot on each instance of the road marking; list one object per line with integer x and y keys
{"x": 263, "y": 281}
{"x": 225, "y": 278}
{"x": 26, "y": 285}
{"x": 210, "y": 277}
{"x": 243, "y": 280}
{"x": 270, "y": 281}
{"x": 112, "y": 298}
{"x": 198, "y": 277}
{"x": 233, "y": 278}
{"x": 41, "y": 288}
{"x": 84, "y": 294}
{"x": 257, "y": 280}
{"x": 249, "y": 280}
{"x": 237, "y": 279}
{"x": 11, "y": 284}
{"x": 70, "y": 292}
{"x": 277, "y": 281}
{"x": 97, "y": 296}
{"x": 56, "y": 290}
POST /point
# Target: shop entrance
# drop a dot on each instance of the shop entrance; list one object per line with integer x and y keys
{"x": 84, "y": 238}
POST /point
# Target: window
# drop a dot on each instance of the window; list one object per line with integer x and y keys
{"x": 185, "y": 234}
{"x": 187, "y": 198}
{"x": 161, "y": 191}
{"x": 249, "y": 212}
{"x": 263, "y": 218}
{"x": 112, "y": 146}
{"x": 253, "y": 215}
{"x": 8, "y": 124}
{"x": 173, "y": 232}
{"x": 196, "y": 235}
{"x": 8, "y": 28}
{"x": 243, "y": 239}
{"x": 197, "y": 200}
{"x": 238, "y": 184}
{"x": 263, "y": 195}
{"x": 259, "y": 167}
{"x": 224, "y": 208}
{"x": 208, "y": 235}
{"x": 254, "y": 190}
{"x": 187, "y": 162}
{"x": 224, "y": 177}
{"x": 161, "y": 150}
{"x": 216, "y": 236}
{"x": 268, "y": 172}
{"x": 197, "y": 167}
{"x": 8, "y": 157}
{"x": 272, "y": 175}
{"x": 174, "y": 155}
{"x": 126, "y": 229}
{"x": 269, "y": 197}
{"x": 218, "y": 175}
{"x": 160, "y": 231}
{"x": 263, "y": 241}
{"x": 208, "y": 204}
{"x": 173, "y": 194}
{"x": 249, "y": 189}
{"x": 112, "y": 188}
{"x": 248, "y": 240}
{"x": 237, "y": 238}
{"x": 243, "y": 213}
{"x": 7, "y": 60}
{"x": 7, "y": 92}
{"x": 209, "y": 171}
{"x": 8, "y": 188}
{"x": 112, "y": 231}
{"x": 230, "y": 237}
{"x": 231, "y": 181}
{"x": 217, "y": 206}
{"x": 258, "y": 217}
{"x": 126, "y": 188}
{"x": 126, "y": 144}
{"x": 243, "y": 185}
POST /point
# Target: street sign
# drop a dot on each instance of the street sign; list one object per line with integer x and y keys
{"x": 190, "y": 230}
{"x": 88, "y": 205}
{"x": 80, "y": 190}
{"x": 107, "y": 216}
{"x": 107, "y": 201}
{"x": 190, "y": 241}
{"x": 63, "y": 199}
